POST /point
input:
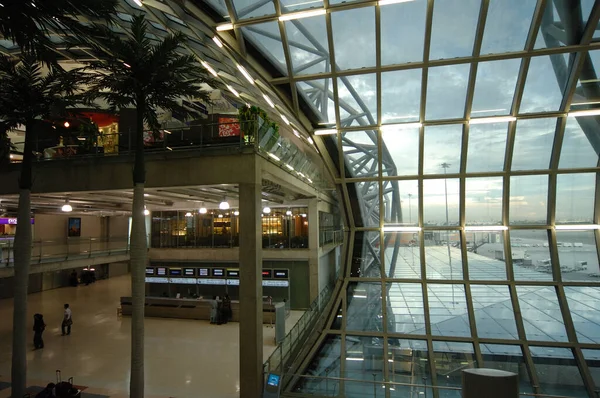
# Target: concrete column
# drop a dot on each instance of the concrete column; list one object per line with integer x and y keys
{"x": 313, "y": 247}
{"x": 489, "y": 383}
{"x": 251, "y": 332}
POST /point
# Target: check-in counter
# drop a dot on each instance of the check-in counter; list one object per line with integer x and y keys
{"x": 162, "y": 307}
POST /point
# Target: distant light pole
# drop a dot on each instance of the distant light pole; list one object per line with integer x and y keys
{"x": 409, "y": 208}
{"x": 445, "y": 166}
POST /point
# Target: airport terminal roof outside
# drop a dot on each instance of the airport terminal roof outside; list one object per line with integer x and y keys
{"x": 463, "y": 136}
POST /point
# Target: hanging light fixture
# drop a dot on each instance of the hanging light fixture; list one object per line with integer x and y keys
{"x": 266, "y": 210}
{"x": 220, "y": 216}
{"x": 236, "y": 213}
{"x": 224, "y": 205}
{"x": 188, "y": 214}
{"x": 288, "y": 213}
{"x": 146, "y": 211}
{"x": 202, "y": 209}
{"x": 67, "y": 207}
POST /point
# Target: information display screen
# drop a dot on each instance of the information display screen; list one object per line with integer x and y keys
{"x": 183, "y": 281}
{"x": 233, "y": 282}
{"x": 267, "y": 274}
{"x": 202, "y": 271}
{"x": 162, "y": 271}
{"x": 273, "y": 380}
{"x": 275, "y": 283}
{"x": 157, "y": 280}
{"x": 149, "y": 270}
{"x": 218, "y": 272}
{"x": 175, "y": 271}
{"x": 281, "y": 274}
{"x": 189, "y": 272}
{"x": 206, "y": 281}
{"x": 233, "y": 273}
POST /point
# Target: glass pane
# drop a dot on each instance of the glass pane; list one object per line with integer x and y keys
{"x": 507, "y": 25}
{"x": 360, "y": 153}
{"x": 353, "y": 29}
{"x": 545, "y": 38}
{"x": 443, "y": 146}
{"x": 402, "y": 255}
{"x": 528, "y": 199}
{"x": 450, "y": 359}
{"x": 400, "y": 95}
{"x": 557, "y": 371}
{"x": 446, "y": 90}
{"x": 494, "y": 314}
{"x": 485, "y": 255}
{"x": 327, "y": 360}
{"x": 308, "y": 54}
{"x": 294, "y": 5}
{"x": 542, "y": 91}
{"x": 408, "y": 363}
{"x": 364, "y": 307}
{"x": 405, "y": 308}
{"x": 247, "y": 8}
{"x": 541, "y": 313}
{"x": 495, "y": 87}
{"x": 575, "y": 198}
{"x": 508, "y": 358}
{"x": 534, "y": 139}
{"x": 357, "y": 96}
{"x": 441, "y": 201}
{"x": 586, "y": 94}
{"x": 364, "y": 361}
{"x": 453, "y": 28}
{"x": 531, "y": 255}
{"x": 577, "y": 255}
{"x": 592, "y": 358}
{"x": 584, "y": 305}
{"x": 366, "y": 256}
{"x": 448, "y": 310}
{"x": 483, "y": 201}
{"x": 443, "y": 255}
{"x": 401, "y": 204}
{"x": 403, "y": 148}
{"x": 267, "y": 38}
{"x": 576, "y": 149}
{"x": 402, "y": 32}
{"x": 369, "y": 192}
{"x": 487, "y": 147}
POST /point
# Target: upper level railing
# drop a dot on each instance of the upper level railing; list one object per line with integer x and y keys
{"x": 45, "y": 251}
{"x": 331, "y": 237}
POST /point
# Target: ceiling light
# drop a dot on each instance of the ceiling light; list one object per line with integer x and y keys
{"x": 67, "y": 208}
{"x": 296, "y": 133}
{"x": 273, "y": 157}
{"x": 271, "y": 104}
{"x": 225, "y": 26}
{"x": 495, "y": 119}
{"x": 289, "y": 167}
{"x": 388, "y": 2}
{"x": 326, "y": 131}
{"x": 202, "y": 210}
{"x": 146, "y": 211}
{"x": 303, "y": 215}
{"x": 577, "y": 227}
{"x": 125, "y": 64}
{"x": 67, "y": 124}
{"x": 266, "y": 210}
{"x": 486, "y": 228}
{"x": 233, "y": 90}
{"x": 310, "y": 140}
{"x": 246, "y": 74}
{"x": 587, "y": 112}
{"x": 236, "y": 213}
{"x": 288, "y": 213}
{"x": 302, "y": 14}
{"x": 400, "y": 126}
{"x": 217, "y": 42}
{"x": 220, "y": 216}
{"x": 400, "y": 228}
{"x": 209, "y": 68}
{"x": 139, "y": 3}
{"x": 188, "y": 214}
{"x": 224, "y": 205}
{"x": 285, "y": 119}
{"x": 309, "y": 180}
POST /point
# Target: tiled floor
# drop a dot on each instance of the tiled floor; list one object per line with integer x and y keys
{"x": 184, "y": 358}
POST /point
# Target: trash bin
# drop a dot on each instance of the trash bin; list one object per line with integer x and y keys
{"x": 489, "y": 383}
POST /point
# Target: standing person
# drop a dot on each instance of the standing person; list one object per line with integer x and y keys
{"x": 213, "y": 310}
{"x": 226, "y": 309}
{"x": 219, "y": 311}
{"x": 67, "y": 320}
{"x": 38, "y": 329}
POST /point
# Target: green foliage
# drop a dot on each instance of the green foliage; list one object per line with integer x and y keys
{"x": 248, "y": 117}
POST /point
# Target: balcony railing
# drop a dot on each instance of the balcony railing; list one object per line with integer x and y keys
{"x": 331, "y": 237}
{"x": 46, "y": 251}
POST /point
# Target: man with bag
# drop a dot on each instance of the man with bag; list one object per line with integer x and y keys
{"x": 67, "y": 321}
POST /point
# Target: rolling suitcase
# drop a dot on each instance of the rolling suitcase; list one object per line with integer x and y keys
{"x": 65, "y": 389}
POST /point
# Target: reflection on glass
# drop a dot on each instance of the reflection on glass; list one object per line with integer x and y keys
{"x": 364, "y": 361}
{"x": 446, "y": 91}
{"x": 442, "y": 149}
{"x": 253, "y": 8}
{"x": 450, "y": 359}
{"x": 402, "y": 32}
{"x": 405, "y": 308}
{"x": 402, "y": 255}
{"x": 575, "y": 198}
{"x": 403, "y": 148}
{"x": 528, "y": 199}
{"x": 507, "y": 25}
{"x": 487, "y": 147}
{"x": 541, "y": 313}
{"x": 267, "y": 38}
{"x": 400, "y": 95}
{"x": 483, "y": 201}
{"x": 448, "y": 310}
{"x": 542, "y": 92}
{"x": 319, "y": 94}
{"x": 357, "y": 95}
{"x": 485, "y": 255}
{"x": 584, "y": 302}
{"x": 360, "y": 153}
{"x": 577, "y": 150}
{"x": 364, "y": 306}
{"x": 366, "y": 257}
{"x": 408, "y": 364}
{"x": 592, "y": 358}
{"x": 557, "y": 371}
{"x": 495, "y": 87}
{"x": 401, "y": 204}
{"x": 453, "y": 28}
{"x": 508, "y": 358}
{"x": 308, "y": 55}
{"x": 577, "y": 255}
{"x": 354, "y": 29}
{"x": 327, "y": 360}
{"x": 531, "y": 255}
{"x": 533, "y": 144}
{"x": 442, "y": 255}
{"x": 441, "y": 201}
{"x": 494, "y": 315}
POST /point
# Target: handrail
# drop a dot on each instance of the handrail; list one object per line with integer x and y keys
{"x": 331, "y": 237}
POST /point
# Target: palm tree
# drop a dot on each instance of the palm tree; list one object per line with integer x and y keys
{"x": 147, "y": 75}
{"x": 29, "y": 23}
{"x": 28, "y": 97}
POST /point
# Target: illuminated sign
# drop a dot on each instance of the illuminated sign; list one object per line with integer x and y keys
{"x": 157, "y": 280}
{"x": 233, "y": 273}
{"x": 189, "y": 272}
{"x": 206, "y": 281}
{"x": 175, "y": 271}
{"x": 162, "y": 271}
{"x": 10, "y": 221}
{"x": 280, "y": 274}
{"x": 183, "y": 281}
{"x": 267, "y": 274}
{"x": 202, "y": 271}
{"x": 218, "y": 272}
{"x": 275, "y": 283}
{"x": 149, "y": 271}
{"x": 233, "y": 282}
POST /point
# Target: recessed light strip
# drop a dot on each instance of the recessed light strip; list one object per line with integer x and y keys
{"x": 495, "y": 119}
{"x": 245, "y": 73}
{"x": 577, "y": 227}
{"x": 587, "y": 112}
{"x": 210, "y": 69}
{"x": 302, "y": 14}
{"x": 400, "y": 228}
{"x": 326, "y": 132}
{"x": 388, "y": 2}
{"x": 400, "y": 126}
{"x": 225, "y": 26}
{"x": 486, "y": 228}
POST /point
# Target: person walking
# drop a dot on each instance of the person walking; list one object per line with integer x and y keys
{"x": 38, "y": 329}
{"x": 67, "y": 320}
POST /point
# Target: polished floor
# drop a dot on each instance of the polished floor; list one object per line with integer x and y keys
{"x": 184, "y": 358}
